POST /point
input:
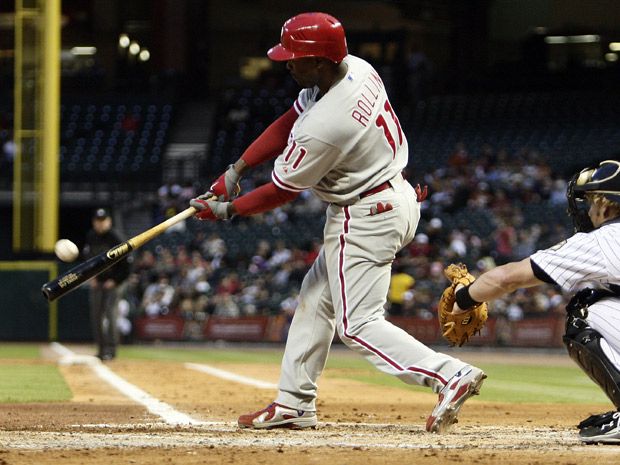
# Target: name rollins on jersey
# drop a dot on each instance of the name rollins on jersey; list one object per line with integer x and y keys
{"x": 367, "y": 99}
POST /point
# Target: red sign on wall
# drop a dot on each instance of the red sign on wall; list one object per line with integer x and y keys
{"x": 426, "y": 331}
{"x": 537, "y": 332}
{"x": 487, "y": 336}
{"x": 251, "y": 328}
{"x": 161, "y": 327}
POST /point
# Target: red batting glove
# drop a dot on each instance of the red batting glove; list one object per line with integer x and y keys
{"x": 226, "y": 187}
{"x": 208, "y": 209}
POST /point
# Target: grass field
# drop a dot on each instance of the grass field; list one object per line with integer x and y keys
{"x": 32, "y": 383}
{"x": 23, "y": 381}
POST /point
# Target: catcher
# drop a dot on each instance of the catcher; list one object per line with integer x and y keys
{"x": 587, "y": 263}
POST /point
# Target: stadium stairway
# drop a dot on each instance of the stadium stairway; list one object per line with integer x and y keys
{"x": 186, "y": 150}
{"x": 188, "y": 142}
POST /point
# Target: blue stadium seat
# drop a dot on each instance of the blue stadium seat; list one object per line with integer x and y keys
{"x": 96, "y": 129}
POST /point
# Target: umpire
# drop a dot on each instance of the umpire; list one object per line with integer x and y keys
{"x": 105, "y": 287}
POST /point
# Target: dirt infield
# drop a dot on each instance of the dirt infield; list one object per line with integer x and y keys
{"x": 359, "y": 423}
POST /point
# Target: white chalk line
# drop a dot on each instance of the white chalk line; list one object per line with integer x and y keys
{"x": 229, "y": 376}
{"x": 61, "y": 350}
{"x": 153, "y": 405}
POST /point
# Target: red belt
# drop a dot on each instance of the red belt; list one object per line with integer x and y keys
{"x": 381, "y": 187}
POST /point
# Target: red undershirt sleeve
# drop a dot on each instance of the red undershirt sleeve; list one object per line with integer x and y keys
{"x": 272, "y": 141}
{"x": 262, "y": 199}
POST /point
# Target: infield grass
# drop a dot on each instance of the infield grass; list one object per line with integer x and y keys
{"x": 21, "y": 351}
{"x": 204, "y": 355}
{"x": 21, "y": 380}
{"x": 514, "y": 383}
{"x": 507, "y": 382}
{"x": 518, "y": 384}
{"x": 32, "y": 383}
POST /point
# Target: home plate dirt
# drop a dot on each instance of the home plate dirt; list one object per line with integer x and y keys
{"x": 358, "y": 424}
{"x": 351, "y": 436}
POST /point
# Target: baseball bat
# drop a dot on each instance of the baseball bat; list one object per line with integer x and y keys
{"x": 81, "y": 273}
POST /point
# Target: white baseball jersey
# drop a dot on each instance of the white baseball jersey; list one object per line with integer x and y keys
{"x": 344, "y": 142}
{"x": 590, "y": 260}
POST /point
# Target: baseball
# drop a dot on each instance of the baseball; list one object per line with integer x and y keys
{"x": 66, "y": 250}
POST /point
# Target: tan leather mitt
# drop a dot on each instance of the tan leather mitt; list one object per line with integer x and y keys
{"x": 457, "y": 329}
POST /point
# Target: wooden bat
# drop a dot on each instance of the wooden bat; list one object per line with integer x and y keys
{"x": 81, "y": 273}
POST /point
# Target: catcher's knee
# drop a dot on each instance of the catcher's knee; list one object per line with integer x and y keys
{"x": 584, "y": 347}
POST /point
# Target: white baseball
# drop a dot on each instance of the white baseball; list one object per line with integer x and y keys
{"x": 66, "y": 250}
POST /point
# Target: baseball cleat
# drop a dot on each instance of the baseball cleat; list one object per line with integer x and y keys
{"x": 464, "y": 384}
{"x": 278, "y": 416}
{"x": 605, "y": 429}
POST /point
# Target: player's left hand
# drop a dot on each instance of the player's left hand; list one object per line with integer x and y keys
{"x": 209, "y": 208}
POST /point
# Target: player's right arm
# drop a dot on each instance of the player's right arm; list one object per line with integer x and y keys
{"x": 267, "y": 146}
{"x": 303, "y": 163}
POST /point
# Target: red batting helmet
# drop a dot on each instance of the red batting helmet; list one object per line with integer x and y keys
{"x": 311, "y": 35}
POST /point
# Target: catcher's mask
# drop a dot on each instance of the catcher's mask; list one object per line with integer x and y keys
{"x": 603, "y": 179}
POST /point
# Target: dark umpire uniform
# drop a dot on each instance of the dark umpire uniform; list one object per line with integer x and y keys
{"x": 105, "y": 287}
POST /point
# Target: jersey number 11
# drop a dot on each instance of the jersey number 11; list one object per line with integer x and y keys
{"x": 381, "y": 123}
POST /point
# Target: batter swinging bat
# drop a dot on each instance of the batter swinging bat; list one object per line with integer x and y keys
{"x": 79, "y": 274}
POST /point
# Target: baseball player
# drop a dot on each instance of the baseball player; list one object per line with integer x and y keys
{"x": 587, "y": 262}
{"x": 341, "y": 139}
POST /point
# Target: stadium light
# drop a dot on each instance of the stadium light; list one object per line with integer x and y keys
{"x": 611, "y": 57}
{"x": 134, "y": 48}
{"x": 584, "y": 39}
{"x": 84, "y": 50}
{"x": 556, "y": 39}
{"x": 145, "y": 55}
{"x": 614, "y": 46}
{"x": 578, "y": 39}
{"x": 123, "y": 40}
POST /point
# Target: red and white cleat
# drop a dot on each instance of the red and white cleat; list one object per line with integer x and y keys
{"x": 464, "y": 384}
{"x": 278, "y": 416}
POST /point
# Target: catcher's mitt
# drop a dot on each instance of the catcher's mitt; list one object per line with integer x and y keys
{"x": 457, "y": 329}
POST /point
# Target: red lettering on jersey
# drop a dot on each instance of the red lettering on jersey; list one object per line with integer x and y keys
{"x": 367, "y": 99}
{"x": 300, "y": 157}
{"x": 372, "y": 102}
{"x": 381, "y": 123}
{"x": 290, "y": 152}
{"x": 357, "y": 116}
{"x": 376, "y": 80}
{"x": 374, "y": 94}
{"x": 364, "y": 107}
{"x": 388, "y": 108}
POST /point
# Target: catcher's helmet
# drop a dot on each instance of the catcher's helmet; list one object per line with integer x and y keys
{"x": 603, "y": 179}
{"x": 311, "y": 35}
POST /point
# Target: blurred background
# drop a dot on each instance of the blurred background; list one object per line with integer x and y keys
{"x": 501, "y": 100}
